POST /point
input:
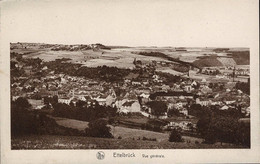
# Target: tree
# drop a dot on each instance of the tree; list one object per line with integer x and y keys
{"x": 203, "y": 125}
{"x": 22, "y": 103}
{"x": 158, "y": 107}
{"x": 50, "y": 100}
{"x": 55, "y": 99}
{"x": 244, "y": 87}
{"x": 80, "y": 103}
{"x": 22, "y": 120}
{"x": 224, "y": 128}
{"x": 98, "y": 128}
{"x": 175, "y": 136}
{"x": 173, "y": 112}
{"x": 243, "y": 134}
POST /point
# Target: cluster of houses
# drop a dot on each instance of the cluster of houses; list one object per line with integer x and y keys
{"x": 131, "y": 95}
{"x": 134, "y": 96}
{"x": 182, "y": 125}
{"x": 226, "y": 72}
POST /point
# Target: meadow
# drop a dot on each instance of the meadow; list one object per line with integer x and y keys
{"x": 81, "y": 142}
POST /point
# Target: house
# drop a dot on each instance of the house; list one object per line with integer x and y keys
{"x": 156, "y": 79}
{"x": 171, "y": 95}
{"x": 239, "y": 91}
{"x": 65, "y": 100}
{"x": 179, "y": 105}
{"x": 74, "y": 101}
{"x": 216, "y": 102}
{"x": 188, "y": 88}
{"x": 225, "y": 107}
{"x": 143, "y": 95}
{"x": 203, "y": 82}
{"x": 15, "y": 98}
{"x": 159, "y": 117}
{"x": 170, "y": 105}
{"x": 144, "y": 98}
{"x": 205, "y": 89}
{"x": 110, "y": 99}
{"x": 36, "y": 103}
{"x": 247, "y": 111}
{"x": 101, "y": 100}
{"x": 28, "y": 70}
{"x": 184, "y": 125}
{"x": 130, "y": 106}
{"x": 165, "y": 88}
{"x": 171, "y": 125}
{"x": 82, "y": 98}
{"x": 203, "y": 102}
{"x": 63, "y": 80}
{"x": 44, "y": 68}
{"x": 221, "y": 76}
{"x": 229, "y": 100}
{"x": 141, "y": 90}
{"x": 136, "y": 83}
{"x": 184, "y": 111}
{"x": 119, "y": 103}
{"x": 194, "y": 84}
{"x": 127, "y": 81}
{"x": 91, "y": 102}
{"x": 145, "y": 82}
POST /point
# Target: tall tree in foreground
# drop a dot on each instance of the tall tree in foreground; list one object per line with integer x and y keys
{"x": 175, "y": 136}
{"x": 99, "y": 128}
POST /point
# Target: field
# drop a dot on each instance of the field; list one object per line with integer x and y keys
{"x": 124, "y": 57}
{"x": 123, "y": 132}
{"x": 70, "y": 123}
{"x": 124, "y": 138}
{"x": 81, "y": 142}
{"x": 170, "y": 71}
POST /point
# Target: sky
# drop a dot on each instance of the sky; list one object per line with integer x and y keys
{"x": 191, "y": 23}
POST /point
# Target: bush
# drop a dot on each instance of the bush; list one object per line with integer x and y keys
{"x": 22, "y": 120}
{"x": 98, "y": 128}
{"x": 224, "y": 129}
{"x": 23, "y": 123}
{"x": 21, "y": 103}
{"x": 144, "y": 138}
{"x": 175, "y": 136}
{"x": 149, "y": 139}
{"x": 153, "y": 139}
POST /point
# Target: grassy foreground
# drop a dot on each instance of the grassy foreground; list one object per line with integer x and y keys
{"x": 81, "y": 142}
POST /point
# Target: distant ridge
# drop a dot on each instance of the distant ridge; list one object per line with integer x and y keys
{"x": 61, "y": 47}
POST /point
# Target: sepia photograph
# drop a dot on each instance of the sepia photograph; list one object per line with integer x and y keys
{"x": 134, "y": 81}
{"x": 94, "y": 96}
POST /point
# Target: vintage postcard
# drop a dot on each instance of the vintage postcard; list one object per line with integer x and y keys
{"x": 130, "y": 81}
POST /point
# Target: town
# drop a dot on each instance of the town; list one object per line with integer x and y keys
{"x": 141, "y": 97}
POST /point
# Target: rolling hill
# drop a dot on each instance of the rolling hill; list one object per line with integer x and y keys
{"x": 233, "y": 58}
